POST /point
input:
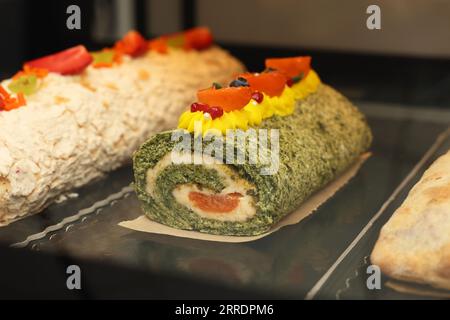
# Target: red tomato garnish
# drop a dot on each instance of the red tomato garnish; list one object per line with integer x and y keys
{"x": 271, "y": 83}
{"x": 3, "y": 93}
{"x": 70, "y": 61}
{"x": 133, "y": 44}
{"x": 3, "y": 96}
{"x": 215, "y": 203}
{"x": 291, "y": 67}
{"x": 159, "y": 45}
{"x": 27, "y": 70}
{"x": 7, "y": 102}
{"x": 198, "y": 38}
{"x": 232, "y": 98}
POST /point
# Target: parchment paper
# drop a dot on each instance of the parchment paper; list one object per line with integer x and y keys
{"x": 143, "y": 224}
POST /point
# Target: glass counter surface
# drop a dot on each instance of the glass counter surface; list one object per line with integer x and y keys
{"x": 295, "y": 262}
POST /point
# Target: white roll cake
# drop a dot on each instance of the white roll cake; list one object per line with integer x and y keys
{"x": 76, "y": 128}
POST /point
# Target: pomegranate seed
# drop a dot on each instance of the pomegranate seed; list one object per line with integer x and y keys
{"x": 257, "y": 96}
{"x": 289, "y": 82}
{"x": 215, "y": 112}
{"x": 197, "y": 106}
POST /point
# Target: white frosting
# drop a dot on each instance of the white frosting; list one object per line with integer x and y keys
{"x": 76, "y": 128}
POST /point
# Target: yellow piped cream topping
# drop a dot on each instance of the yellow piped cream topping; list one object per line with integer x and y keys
{"x": 253, "y": 113}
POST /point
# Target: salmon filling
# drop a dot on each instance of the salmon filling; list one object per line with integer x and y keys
{"x": 215, "y": 203}
{"x": 234, "y": 203}
{"x": 231, "y": 204}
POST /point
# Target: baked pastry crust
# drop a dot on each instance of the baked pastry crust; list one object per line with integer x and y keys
{"x": 414, "y": 245}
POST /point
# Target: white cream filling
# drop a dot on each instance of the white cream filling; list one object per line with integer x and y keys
{"x": 233, "y": 184}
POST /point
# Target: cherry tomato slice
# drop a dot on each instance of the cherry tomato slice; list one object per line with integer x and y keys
{"x": 215, "y": 203}
{"x": 232, "y": 98}
{"x": 291, "y": 67}
{"x": 159, "y": 45}
{"x": 271, "y": 83}
{"x": 133, "y": 44}
{"x": 70, "y": 61}
{"x": 198, "y": 38}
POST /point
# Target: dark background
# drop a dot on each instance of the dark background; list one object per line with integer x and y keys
{"x": 30, "y": 29}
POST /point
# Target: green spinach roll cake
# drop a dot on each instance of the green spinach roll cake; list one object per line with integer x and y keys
{"x": 245, "y": 156}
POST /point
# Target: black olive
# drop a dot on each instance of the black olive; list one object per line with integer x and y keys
{"x": 239, "y": 82}
{"x": 298, "y": 78}
{"x": 216, "y": 85}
